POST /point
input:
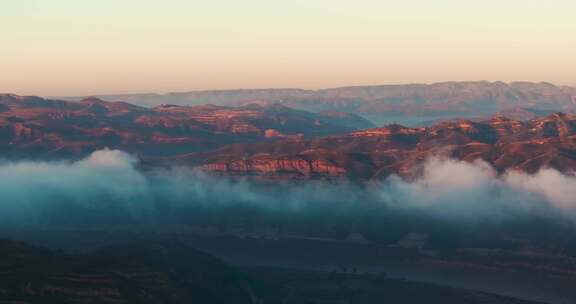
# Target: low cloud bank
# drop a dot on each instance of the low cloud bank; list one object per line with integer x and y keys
{"x": 458, "y": 189}
{"x": 106, "y": 189}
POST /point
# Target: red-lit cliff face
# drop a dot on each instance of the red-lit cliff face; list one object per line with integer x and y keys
{"x": 548, "y": 141}
{"x": 274, "y": 167}
{"x": 33, "y": 126}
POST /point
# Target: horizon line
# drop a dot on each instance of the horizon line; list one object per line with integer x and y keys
{"x": 391, "y": 84}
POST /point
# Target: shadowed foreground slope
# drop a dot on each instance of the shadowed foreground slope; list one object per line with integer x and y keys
{"x": 170, "y": 272}
{"x": 149, "y": 272}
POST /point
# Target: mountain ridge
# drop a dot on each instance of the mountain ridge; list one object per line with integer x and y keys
{"x": 506, "y": 144}
{"x": 273, "y": 141}
{"x": 385, "y": 103}
{"x": 37, "y": 126}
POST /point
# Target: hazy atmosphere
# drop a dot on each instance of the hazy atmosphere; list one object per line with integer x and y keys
{"x": 288, "y": 151}
{"x": 67, "y": 47}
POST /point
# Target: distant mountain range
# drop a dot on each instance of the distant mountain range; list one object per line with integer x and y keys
{"x": 38, "y": 127}
{"x": 273, "y": 141}
{"x": 408, "y": 104}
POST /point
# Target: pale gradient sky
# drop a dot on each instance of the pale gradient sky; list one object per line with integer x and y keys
{"x": 83, "y": 47}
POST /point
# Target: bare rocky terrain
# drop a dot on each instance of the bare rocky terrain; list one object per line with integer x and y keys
{"x": 408, "y": 103}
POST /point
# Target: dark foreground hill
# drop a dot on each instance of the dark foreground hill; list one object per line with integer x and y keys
{"x": 169, "y": 272}
{"x": 154, "y": 272}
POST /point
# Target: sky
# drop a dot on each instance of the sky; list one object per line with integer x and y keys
{"x": 71, "y": 47}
